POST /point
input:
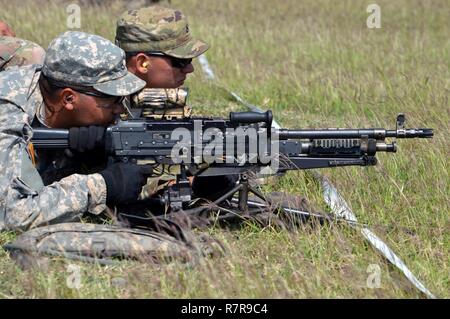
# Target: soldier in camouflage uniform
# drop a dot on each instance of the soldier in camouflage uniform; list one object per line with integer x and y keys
{"x": 80, "y": 86}
{"x": 159, "y": 49}
{"x": 17, "y": 52}
{"x": 158, "y": 45}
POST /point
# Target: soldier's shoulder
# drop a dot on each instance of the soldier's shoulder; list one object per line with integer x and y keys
{"x": 9, "y": 46}
{"x": 19, "y": 52}
{"x": 7, "y": 41}
{"x": 15, "y": 83}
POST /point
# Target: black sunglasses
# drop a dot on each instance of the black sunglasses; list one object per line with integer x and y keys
{"x": 85, "y": 90}
{"x": 175, "y": 62}
{"x": 118, "y": 100}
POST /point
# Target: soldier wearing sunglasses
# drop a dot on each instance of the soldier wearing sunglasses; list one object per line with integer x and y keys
{"x": 159, "y": 49}
{"x": 79, "y": 89}
{"x": 158, "y": 45}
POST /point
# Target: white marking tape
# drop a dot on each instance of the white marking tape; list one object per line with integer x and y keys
{"x": 341, "y": 209}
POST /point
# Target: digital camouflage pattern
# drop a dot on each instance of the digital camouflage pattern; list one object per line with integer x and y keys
{"x": 79, "y": 58}
{"x": 157, "y": 28}
{"x": 104, "y": 243}
{"x": 19, "y": 52}
{"x": 24, "y": 200}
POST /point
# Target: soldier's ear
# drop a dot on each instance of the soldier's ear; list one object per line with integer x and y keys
{"x": 68, "y": 98}
{"x": 143, "y": 63}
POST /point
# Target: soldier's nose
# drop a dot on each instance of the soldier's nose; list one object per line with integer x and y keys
{"x": 188, "y": 68}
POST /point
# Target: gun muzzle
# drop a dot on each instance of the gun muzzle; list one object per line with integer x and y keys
{"x": 422, "y": 132}
{"x": 411, "y": 133}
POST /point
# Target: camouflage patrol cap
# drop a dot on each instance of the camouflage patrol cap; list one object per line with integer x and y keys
{"x": 19, "y": 52}
{"x": 82, "y": 59}
{"x": 157, "y": 28}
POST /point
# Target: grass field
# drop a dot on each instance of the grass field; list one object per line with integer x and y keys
{"x": 315, "y": 64}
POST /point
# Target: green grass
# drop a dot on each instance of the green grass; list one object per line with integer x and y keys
{"x": 315, "y": 64}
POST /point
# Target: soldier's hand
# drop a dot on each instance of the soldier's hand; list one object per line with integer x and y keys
{"x": 83, "y": 139}
{"x": 124, "y": 181}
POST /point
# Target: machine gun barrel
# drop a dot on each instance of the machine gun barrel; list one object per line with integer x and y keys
{"x": 378, "y": 134}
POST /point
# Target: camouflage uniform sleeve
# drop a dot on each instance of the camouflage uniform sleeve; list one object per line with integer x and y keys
{"x": 19, "y": 52}
{"x": 24, "y": 201}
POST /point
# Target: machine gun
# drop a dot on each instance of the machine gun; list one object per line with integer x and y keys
{"x": 159, "y": 130}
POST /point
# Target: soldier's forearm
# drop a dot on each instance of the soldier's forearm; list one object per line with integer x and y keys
{"x": 62, "y": 201}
